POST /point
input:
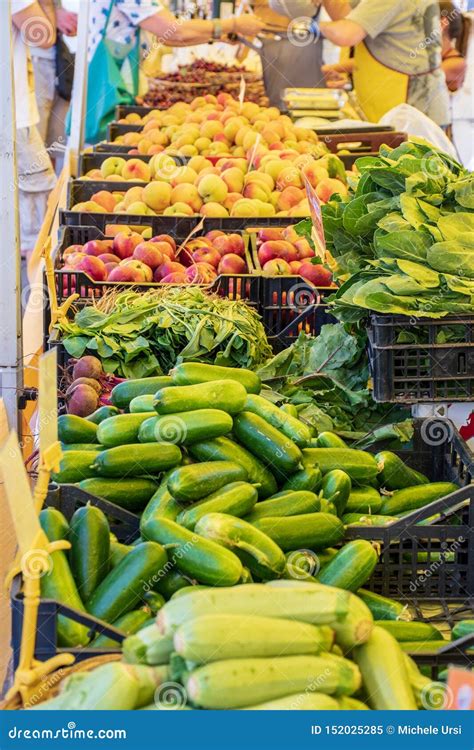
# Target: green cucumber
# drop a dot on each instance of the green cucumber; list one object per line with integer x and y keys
{"x": 308, "y": 479}
{"x": 141, "y": 404}
{"x": 428, "y": 694}
{"x": 103, "y": 412}
{"x": 298, "y": 701}
{"x": 336, "y": 487}
{"x": 367, "y": 519}
{"x": 462, "y": 628}
{"x": 91, "y": 447}
{"x": 310, "y": 530}
{"x": 196, "y": 481}
{"x": 235, "y": 683}
{"x": 327, "y": 507}
{"x": 171, "y": 583}
{"x": 395, "y": 474}
{"x": 330, "y": 440}
{"x": 73, "y": 429}
{"x": 364, "y": 499}
{"x": 236, "y": 499}
{"x": 351, "y": 567}
{"x": 292, "y": 410}
{"x": 224, "y": 449}
{"x": 292, "y": 428}
{"x": 136, "y": 460}
{"x": 227, "y": 395}
{"x": 118, "y": 552}
{"x": 161, "y": 505}
{"x": 154, "y": 601}
{"x": 54, "y": 524}
{"x": 58, "y": 583}
{"x": 120, "y": 430}
{"x": 383, "y": 608}
{"x": 74, "y": 467}
{"x": 122, "y": 589}
{"x": 255, "y": 549}
{"x": 200, "y": 558}
{"x": 286, "y": 504}
{"x": 146, "y": 432}
{"x": 320, "y": 605}
{"x": 412, "y": 498}
{"x": 267, "y": 443}
{"x": 360, "y": 465}
{"x": 411, "y": 631}
{"x": 189, "y": 427}
{"x": 192, "y": 373}
{"x": 128, "y": 624}
{"x": 89, "y": 535}
{"x": 132, "y": 494}
{"x": 124, "y": 392}
{"x": 216, "y": 637}
{"x": 384, "y": 672}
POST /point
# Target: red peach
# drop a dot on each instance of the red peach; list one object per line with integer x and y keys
{"x": 167, "y": 268}
{"x": 316, "y": 273}
{"x": 165, "y": 238}
{"x": 207, "y": 255}
{"x": 148, "y": 253}
{"x": 232, "y": 263}
{"x": 277, "y": 267}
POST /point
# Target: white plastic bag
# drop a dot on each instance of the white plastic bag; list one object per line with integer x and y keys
{"x": 410, "y": 120}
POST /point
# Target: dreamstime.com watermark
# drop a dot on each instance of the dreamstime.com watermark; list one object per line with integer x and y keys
{"x": 70, "y": 732}
{"x": 436, "y": 564}
{"x": 170, "y": 564}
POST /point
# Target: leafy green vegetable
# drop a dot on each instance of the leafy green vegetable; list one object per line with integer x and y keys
{"x": 137, "y": 335}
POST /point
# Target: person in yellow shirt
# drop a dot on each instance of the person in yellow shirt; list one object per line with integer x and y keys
{"x": 396, "y": 54}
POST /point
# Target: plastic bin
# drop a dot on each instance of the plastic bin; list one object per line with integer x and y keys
{"x": 233, "y": 286}
{"x": 438, "y": 451}
{"x": 426, "y": 369}
{"x": 125, "y": 525}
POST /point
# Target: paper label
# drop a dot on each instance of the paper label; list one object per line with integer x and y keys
{"x": 316, "y": 217}
{"x": 460, "y": 690}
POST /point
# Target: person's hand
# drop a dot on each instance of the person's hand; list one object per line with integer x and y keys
{"x": 337, "y": 75}
{"x": 248, "y": 25}
{"x": 66, "y": 22}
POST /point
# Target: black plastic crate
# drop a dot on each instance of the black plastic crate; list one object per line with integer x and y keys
{"x": 232, "y": 286}
{"x": 122, "y": 110}
{"x": 438, "y": 451}
{"x": 125, "y": 525}
{"x": 120, "y": 128}
{"x": 426, "y": 369}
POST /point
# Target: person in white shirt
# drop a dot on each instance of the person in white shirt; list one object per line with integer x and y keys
{"x": 51, "y": 106}
{"x": 32, "y": 25}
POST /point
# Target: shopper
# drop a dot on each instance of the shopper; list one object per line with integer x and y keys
{"x": 453, "y": 62}
{"x": 113, "y": 39}
{"x": 33, "y": 24}
{"x": 396, "y": 56}
{"x": 51, "y": 106}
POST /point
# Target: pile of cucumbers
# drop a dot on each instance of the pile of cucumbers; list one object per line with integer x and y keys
{"x": 230, "y": 489}
{"x": 283, "y": 645}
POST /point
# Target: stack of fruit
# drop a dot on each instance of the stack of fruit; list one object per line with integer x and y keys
{"x": 272, "y": 187}
{"x": 283, "y": 252}
{"x": 129, "y": 258}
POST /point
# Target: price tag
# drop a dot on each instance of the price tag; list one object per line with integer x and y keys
{"x": 460, "y": 690}
{"x": 17, "y": 490}
{"x": 316, "y": 218}
{"x": 50, "y": 449}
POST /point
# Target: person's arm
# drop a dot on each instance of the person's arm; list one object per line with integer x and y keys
{"x": 337, "y": 9}
{"x": 176, "y": 32}
{"x": 454, "y": 69}
{"x": 37, "y": 23}
{"x": 344, "y": 33}
{"x": 66, "y": 22}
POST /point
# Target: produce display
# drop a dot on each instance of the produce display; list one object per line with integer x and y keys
{"x": 272, "y": 186}
{"x": 405, "y": 235}
{"x": 284, "y": 252}
{"x": 187, "y": 83}
{"x": 136, "y": 335}
{"x": 311, "y": 647}
{"x": 128, "y": 257}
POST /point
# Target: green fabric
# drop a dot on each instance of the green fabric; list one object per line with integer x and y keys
{"x": 106, "y": 87}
